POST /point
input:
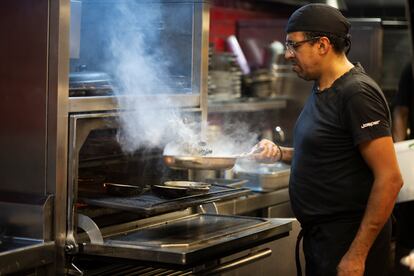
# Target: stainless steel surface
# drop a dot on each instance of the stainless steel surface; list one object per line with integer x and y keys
{"x": 247, "y": 106}
{"x": 263, "y": 177}
{"x": 89, "y": 226}
{"x": 25, "y": 255}
{"x": 75, "y": 27}
{"x": 202, "y": 12}
{"x": 367, "y": 45}
{"x": 57, "y": 146}
{"x": 191, "y": 240}
{"x": 209, "y": 208}
{"x": 252, "y": 257}
{"x": 26, "y": 215}
{"x": 252, "y": 202}
{"x": 110, "y": 103}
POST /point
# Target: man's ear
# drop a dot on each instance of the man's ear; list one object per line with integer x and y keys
{"x": 324, "y": 45}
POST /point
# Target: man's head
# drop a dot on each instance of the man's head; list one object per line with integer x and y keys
{"x": 314, "y": 32}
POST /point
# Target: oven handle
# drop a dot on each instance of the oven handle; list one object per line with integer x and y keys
{"x": 250, "y": 258}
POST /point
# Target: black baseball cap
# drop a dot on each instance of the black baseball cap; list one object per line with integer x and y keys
{"x": 318, "y": 18}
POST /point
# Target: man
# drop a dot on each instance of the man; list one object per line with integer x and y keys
{"x": 344, "y": 173}
{"x": 403, "y": 116}
{"x": 403, "y": 120}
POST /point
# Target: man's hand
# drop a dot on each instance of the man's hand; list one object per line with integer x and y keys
{"x": 268, "y": 152}
{"x": 351, "y": 265}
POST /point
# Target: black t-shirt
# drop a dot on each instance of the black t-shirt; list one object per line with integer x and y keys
{"x": 329, "y": 178}
{"x": 404, "y": 96}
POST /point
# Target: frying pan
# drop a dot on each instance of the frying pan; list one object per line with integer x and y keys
{"x": 174, "y": 189}
{"x": 208, "y": 162}
{"x": 116, "y": 189}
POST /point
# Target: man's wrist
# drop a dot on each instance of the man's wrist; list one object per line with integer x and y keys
{"x": 280, "y": 153}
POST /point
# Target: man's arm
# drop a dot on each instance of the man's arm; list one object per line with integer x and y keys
{"x": 400, "y": 122}
{"x": 273, "y": 153}
{"x": 380, "y": 156}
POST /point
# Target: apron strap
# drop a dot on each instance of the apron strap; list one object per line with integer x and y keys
{"x": 297, "y": 250}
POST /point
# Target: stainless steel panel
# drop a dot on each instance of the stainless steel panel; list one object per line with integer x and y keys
{"x": 247, "y": 105}
{"x": 25, "y": 215}
{"x": 75, "y": 27}
{"x": 252, "y": 202}
{"x": 367, "y": 43}
{"x": 57, "y": 145}
{"x": 26, "y": 254}
{"x": 110, "y": 103}
{"x": 190, "y": 240}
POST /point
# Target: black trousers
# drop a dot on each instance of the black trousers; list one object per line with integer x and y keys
{"x": 325, "y": 244}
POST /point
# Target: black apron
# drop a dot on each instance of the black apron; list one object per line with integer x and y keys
{"x": 325, "y": 244}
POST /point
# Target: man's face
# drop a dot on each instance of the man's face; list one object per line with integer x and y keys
{"x": 303, "y": 55}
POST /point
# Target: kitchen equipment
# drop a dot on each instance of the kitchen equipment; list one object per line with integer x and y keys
{"x": 258, "y": 84}
{"x": 189, "y": 240}
{"x": 234, "y": 46}
{"x": 263, "y": 177}
{"x": 176, "y": 189}
{"x": 405, "y": 157}
{"x": 149, "y": 203}
{"x": 224, "y": 77}
{"x": 188, "y": 185}
{"x": 169, "y": 191}
{"x": 89, "y": 83}
{"x": 122, "y": 189}
{"x": 205, "y": 159}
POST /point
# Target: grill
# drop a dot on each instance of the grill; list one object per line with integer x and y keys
{"x": 146, "y": 227}
{"x": 150, "y": 204}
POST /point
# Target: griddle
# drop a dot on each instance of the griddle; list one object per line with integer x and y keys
{"x": 191, "y": 240}
{"x": 149, "y": 203}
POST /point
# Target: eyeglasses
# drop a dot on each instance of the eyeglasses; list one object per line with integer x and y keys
{"x": 292, "y": 46}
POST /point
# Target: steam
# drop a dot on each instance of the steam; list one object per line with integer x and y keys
{"x": 143, "y": 63}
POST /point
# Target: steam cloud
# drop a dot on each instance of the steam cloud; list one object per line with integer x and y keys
{"x": 142, "y": 64}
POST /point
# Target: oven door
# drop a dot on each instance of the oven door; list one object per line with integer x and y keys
{"x": 190, "y": 240}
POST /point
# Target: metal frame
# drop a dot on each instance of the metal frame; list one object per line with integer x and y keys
{"x": 58, "y": 93}
{"x": 201, "y": 24}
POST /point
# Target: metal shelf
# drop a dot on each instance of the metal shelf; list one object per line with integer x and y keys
{"x": 247, "y": 105}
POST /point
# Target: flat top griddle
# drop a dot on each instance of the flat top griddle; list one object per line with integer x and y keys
{"x": 149, "y": 203}
{"x": 191, "y": 240}
{"x": 189, "y": 231}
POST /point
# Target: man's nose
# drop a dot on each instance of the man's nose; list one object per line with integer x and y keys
{"x": 289, "y": 54}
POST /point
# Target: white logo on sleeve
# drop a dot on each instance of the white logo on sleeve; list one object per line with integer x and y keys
{"x": 370, "y": 124}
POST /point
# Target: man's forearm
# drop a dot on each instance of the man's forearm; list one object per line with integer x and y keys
{"x": 379, "y": 208}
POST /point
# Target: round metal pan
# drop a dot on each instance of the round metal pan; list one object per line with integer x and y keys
{"x": 116, "y": 189}
{"x": 189, "y": 185}
{"x": 175, "y": 190}
{"x": 199, "y": 162}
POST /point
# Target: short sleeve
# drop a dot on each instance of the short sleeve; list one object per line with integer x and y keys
{"x": 367, "y": 116}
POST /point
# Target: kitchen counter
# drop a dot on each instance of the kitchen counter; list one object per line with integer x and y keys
{"x": 253, "y": 201}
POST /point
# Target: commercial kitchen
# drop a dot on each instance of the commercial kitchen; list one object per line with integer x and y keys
{"x": 127, "y": 127}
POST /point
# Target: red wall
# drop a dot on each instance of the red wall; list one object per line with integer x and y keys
{"x": 223, "y": 22}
